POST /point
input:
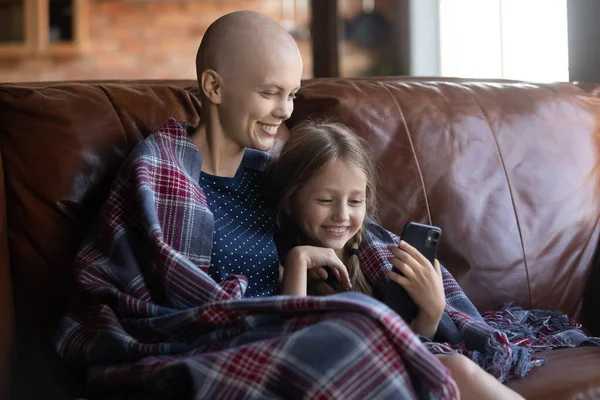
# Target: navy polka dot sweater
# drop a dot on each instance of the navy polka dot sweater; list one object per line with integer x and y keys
{"x": 244, "y": 229}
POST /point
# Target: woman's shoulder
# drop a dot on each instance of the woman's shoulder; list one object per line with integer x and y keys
{"x": 170, "y": 134}
{"x": 256, "y": 159}
{"x": 170, "y": 144}
{"x": 175, "y": 132}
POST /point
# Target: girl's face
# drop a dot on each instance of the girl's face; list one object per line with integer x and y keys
{"x": 330, "y": 208}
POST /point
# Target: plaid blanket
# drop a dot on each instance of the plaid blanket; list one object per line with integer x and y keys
{"x": 502, "y": 342}
{"x": 148, "y": 322}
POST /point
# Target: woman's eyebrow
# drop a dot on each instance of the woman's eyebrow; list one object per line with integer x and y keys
{"x": 278, "y": 87}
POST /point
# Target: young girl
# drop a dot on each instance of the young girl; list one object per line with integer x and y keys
{"x": 324, "y": 183}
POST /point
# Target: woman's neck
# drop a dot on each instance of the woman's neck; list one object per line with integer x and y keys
{"x": 220, "y": 155}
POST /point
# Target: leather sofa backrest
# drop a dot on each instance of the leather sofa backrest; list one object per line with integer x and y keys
{"x": 508, "y": 170}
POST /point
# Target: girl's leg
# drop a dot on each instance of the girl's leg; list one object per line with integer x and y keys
{"x": 473, "y": 382}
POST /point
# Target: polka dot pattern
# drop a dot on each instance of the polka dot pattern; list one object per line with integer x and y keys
{"x": 244, "y": 229}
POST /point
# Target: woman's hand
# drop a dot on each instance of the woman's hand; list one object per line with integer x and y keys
{"x": 423, "y": 282}
{"x": 301, "y": 259}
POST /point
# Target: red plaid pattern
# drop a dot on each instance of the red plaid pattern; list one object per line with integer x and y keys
{"x": 148, "y": 321}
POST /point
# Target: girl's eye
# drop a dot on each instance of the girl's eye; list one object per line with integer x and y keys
{"x": 269, "y": 94}
{"x": 292, "y": 96}
{"x": 324, "y": 201}
{"x": 356, "y": 202}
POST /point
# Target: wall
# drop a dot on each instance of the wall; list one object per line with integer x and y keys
{"x": 141, "y": 40}
{"x": 584, "y": 35}
{"x": 158, "y": 39}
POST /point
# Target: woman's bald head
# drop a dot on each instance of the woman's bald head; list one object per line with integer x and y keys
{"x": 249, "y": 70}
{"x": 241, "y": 39}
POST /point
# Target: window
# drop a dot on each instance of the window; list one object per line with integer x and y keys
{"x": 15, "y": 34}
{"x": 29, "y": 27}
{"x": 510, "y": 39}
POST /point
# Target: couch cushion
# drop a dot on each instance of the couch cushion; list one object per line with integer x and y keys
{"x": 567, "y": 374}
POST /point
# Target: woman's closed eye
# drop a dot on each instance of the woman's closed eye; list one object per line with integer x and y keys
{"x": 271, "y": 94}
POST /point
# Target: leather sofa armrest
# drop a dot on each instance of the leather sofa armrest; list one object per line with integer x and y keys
{"x": 6, "y": 303}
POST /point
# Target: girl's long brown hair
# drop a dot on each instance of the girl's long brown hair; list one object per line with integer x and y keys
{"x": 311, "y": 145}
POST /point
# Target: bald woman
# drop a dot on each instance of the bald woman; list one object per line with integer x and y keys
{"x": 249, "y": 70}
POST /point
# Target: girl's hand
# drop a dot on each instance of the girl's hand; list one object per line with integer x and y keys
{"x": 421, "y": 280}
{"x": 301, "y": 259}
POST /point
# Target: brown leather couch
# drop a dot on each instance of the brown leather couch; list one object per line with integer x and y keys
{"x": 510, "y": 171}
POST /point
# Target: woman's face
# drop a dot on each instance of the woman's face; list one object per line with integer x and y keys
{"x": 259, "y": 98}
{"x": 331, "y": 207}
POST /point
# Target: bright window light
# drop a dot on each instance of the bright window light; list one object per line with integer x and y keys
{"x": 510, "y": 39}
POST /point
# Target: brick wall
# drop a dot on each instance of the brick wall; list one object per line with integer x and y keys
{"x": 158, "y": 40}
{"x": 138, "y": 40}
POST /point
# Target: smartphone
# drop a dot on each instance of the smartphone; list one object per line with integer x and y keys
{"x": 426, "y": 239}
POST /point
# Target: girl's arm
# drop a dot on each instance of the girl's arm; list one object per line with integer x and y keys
{"x": 294, "y": 279}
{"x": 424, "y": 325}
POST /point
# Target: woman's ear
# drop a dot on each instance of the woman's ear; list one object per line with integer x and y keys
{"x": 212, "y": 86}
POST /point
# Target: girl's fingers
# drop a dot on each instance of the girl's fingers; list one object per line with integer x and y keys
{"x": 399, "y": 279}
{"x": 416, "y": 254}
{"x": 396, "y": 251}
{"x": 405, "y": 257}
{"x": 320, "y": 272}
{"x": 436, "y": 266}
{"x": 334, "y": 271}
{"x": 403, "y": 267}
{"x": 342, "y": 273}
